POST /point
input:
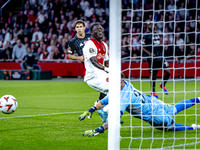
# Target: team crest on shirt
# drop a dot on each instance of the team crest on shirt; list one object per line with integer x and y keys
{"x": 91, "y": 50}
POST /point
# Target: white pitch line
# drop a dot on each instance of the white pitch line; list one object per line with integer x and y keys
{"x": 42, "y": 115}
{"x": 182, "y": 145}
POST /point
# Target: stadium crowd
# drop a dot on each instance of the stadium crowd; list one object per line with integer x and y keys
{"x": 47, "y": 26}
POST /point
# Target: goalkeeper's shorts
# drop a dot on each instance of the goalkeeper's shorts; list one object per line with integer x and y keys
{"x": 161, "y": 120}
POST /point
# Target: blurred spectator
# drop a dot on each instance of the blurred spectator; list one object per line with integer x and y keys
{"x": 136, "y": 41}
{"x": 11, "y": 41}
{"x": 44, "y": 55}
{"x": 89, "y": 11}
{"x": 38, "y": 53}
{"x": 29, "y": 61}
{"x": 10, "y": 19}
{"x": 38, "y": 33}
{"x": 99, "y": 10}
{"x": 171, "y": 6}
{"x": 15, "y": 32}
{"x": 32, "y": 18}
{"x": 14, "y": 22}
{"x": 47, "y": 4}
{"x": 55, "y": 54}
{"x": 125, "y": 52}
{"x": 78, "y": 10}
{"x": 179, "y": 52}
{"x": 51, "y": 16}
{"x": 27, "y": 11}
{"x": 7, "y": 36}
{"x": 41, "y": 17}
{"x": 135, "y": 52}
{"x": 21, "y": 35}
{"x": 191, "y": 51}
{"x": 19, "y": 51}
{"x": 179, "y": 40}
{"x": 7, "y": 53}
{"x": 65, "y": 55}
{"x": 84, "y": 4}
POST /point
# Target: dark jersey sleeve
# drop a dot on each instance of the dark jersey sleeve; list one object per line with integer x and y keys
{"x": 147, "y": 42}
{"x": 71, "y": 48}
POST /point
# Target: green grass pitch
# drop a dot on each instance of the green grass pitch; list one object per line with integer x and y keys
{"x": 48, "y": 111}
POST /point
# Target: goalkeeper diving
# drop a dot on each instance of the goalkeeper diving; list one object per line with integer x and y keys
{"x": 152, "y": 110}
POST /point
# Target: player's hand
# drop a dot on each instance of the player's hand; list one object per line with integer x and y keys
{"x": 90, "y": 133}
{"x": 81, "y": 58}
{"x": 87, "y": 113}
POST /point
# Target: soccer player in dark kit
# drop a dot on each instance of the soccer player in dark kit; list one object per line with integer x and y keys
{"x": 78, "y": 42}
{"x": 156, "y": 60}
{"x": 76, "y": 45}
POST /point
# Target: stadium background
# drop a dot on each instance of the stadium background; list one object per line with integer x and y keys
{"x": 47, "y": 115}
{"x": 20, "y": 19}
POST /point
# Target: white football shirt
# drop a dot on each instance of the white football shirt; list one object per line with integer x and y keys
{"x": 94, "y": 48}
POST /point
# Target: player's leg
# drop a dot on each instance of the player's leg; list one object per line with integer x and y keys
{"x": 103, "y": 114}
{"x": 166, "y": 76}
{"x": 181, "y": 127}
{"x": 100, "y": 83}
{"x": 153, "y": 82}
{"x": 185, "y": 104}
{"x": 163, "y": 121}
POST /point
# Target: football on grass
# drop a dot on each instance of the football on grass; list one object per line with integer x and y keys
{"x": 8, "y": 104}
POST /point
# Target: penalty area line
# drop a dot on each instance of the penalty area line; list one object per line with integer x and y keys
{"x": 42, "y": 115}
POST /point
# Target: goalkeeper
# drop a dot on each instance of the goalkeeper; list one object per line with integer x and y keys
{"x": 150, "y": 109}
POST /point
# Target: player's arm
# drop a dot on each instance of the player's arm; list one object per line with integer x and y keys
{"x": 95, "y": 62}
{"x": 106, "y": 63}
{"x": 73, "y": 57}
{"x": 71, "y": 50}
{"x": 148, "y": 52}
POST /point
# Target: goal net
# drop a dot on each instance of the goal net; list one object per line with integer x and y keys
{"x": 177, "y": 23}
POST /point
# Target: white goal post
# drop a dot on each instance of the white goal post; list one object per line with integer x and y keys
{"x": 114, "y": 75}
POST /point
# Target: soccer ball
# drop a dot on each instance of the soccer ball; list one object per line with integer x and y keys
{"x": 8, "y": 104}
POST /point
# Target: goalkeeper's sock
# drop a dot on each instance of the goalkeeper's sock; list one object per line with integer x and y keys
{"x": 100, "y": 129}
{"x": 185, "y": 104}
{"x": 181, "y": 127}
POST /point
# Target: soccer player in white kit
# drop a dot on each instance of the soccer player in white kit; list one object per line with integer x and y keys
{"x": 96, "y": 62}
{"x": 95, "y": 57}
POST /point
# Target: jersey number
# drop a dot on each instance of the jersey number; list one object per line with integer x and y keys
{"x": 137, "y": 93}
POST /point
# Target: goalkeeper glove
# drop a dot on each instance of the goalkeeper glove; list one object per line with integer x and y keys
{"x": 87, "y": 113}
{"x": 95, "y": 132}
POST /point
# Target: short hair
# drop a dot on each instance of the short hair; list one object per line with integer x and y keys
{"x": 95, "y": 24}
{"x": 18, "y": 41}
{"x": 80, "y": 21}
{"x": 122, "y": 75}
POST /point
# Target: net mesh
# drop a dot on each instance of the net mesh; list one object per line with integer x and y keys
{"x": 177, "y": 23}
